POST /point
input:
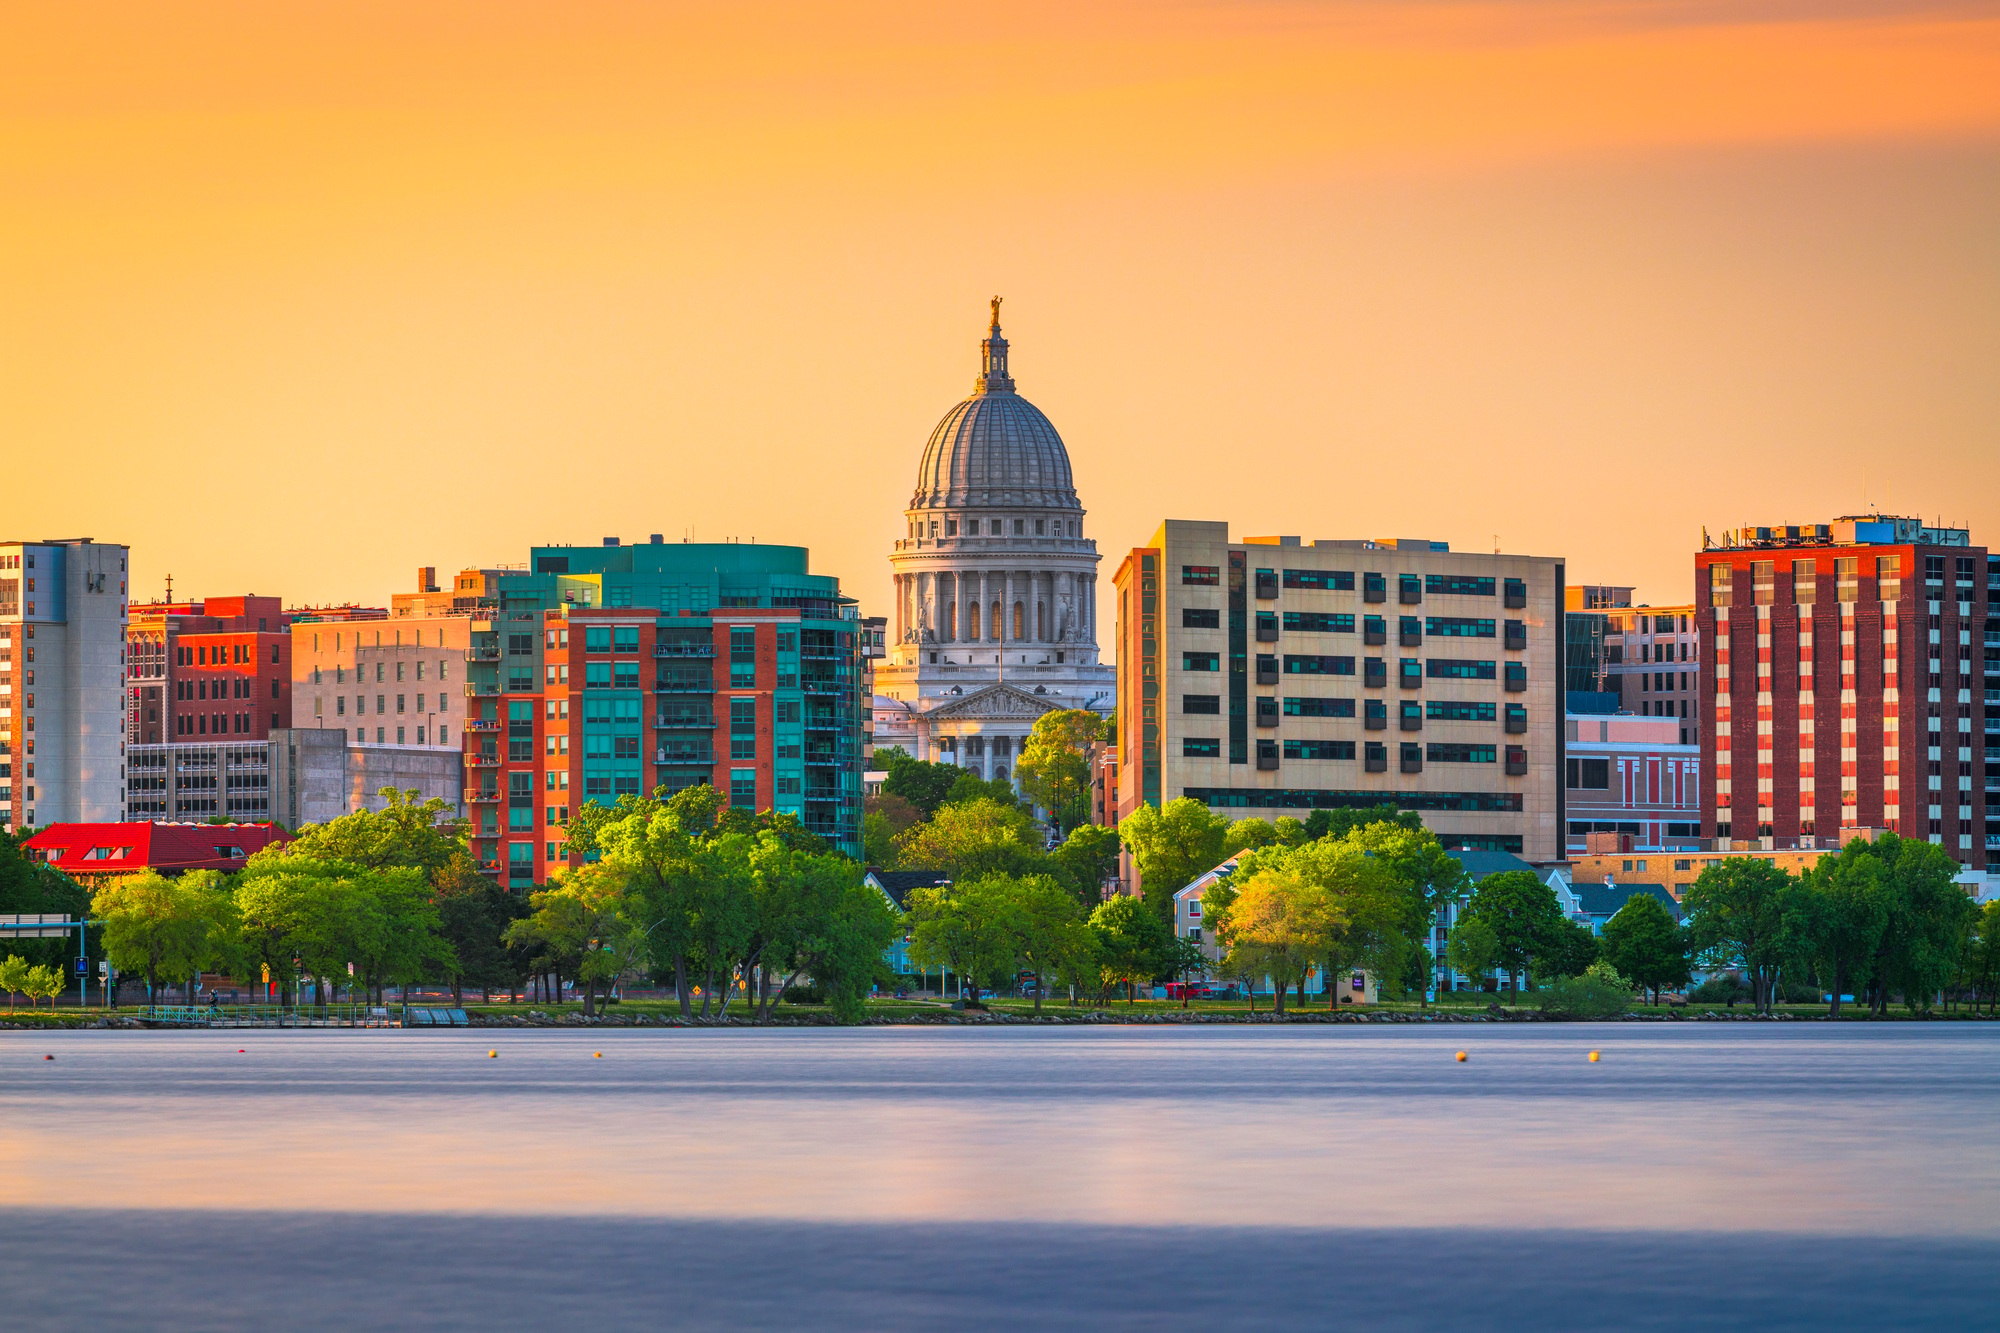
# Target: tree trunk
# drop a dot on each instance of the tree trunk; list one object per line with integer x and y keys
{"x": 458, "y": 992}
{"x": 1839, "y": 985}
{"x": 1038, "y": 994}
{"x": 1278, "y": 999}
{"x": 681, "y": 982}
{"x": 707, "y": 990}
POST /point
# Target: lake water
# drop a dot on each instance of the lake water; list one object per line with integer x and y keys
{"x": 1772, "y": 1176}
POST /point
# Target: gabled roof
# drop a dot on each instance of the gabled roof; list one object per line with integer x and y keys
{"x": 1604, "y": 900}
{"x": 1479, "y": 864}
{"x": 1199, "y": 885}
{"x": 123, "y": 849}
{"x": 992, "y": 701}
{"x": 895, "y": 885}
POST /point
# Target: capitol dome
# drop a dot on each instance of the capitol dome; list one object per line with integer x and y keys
{"x": 995, "y": 449}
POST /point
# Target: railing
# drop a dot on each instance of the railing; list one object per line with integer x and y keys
{"x": 480, "y": 724}
{"x": 824, "y": 687}
{"x": 269, "y": 1016}
{"x": 683, "y": 650}
{"x": 684, "y": 724}
{"x": 482, "y": 761}
{"x": 684, "y": 757}
{"x": 475, "y": 796}
{"x": 477, "y": 654}
{"x": 481, "y": 687}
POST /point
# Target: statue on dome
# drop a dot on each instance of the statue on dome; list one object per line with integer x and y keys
{"x": 996, "y": 312}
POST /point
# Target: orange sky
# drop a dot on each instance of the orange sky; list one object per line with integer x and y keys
{"x": 294, "y": 298}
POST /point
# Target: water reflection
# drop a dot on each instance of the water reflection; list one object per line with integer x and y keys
{"x": 1787, "y": 1129}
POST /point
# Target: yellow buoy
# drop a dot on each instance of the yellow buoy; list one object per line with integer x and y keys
{"x": 1461, "y": 1057}
{"x": 1593, "y": 1057}
{"x": 599, "y": 1055}
{"x": 493, "y": 1055}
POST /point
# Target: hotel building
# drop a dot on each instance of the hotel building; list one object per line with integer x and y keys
{"x": 1844, "y": 686}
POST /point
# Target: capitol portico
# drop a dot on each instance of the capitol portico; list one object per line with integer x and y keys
{"x": 995, "y": 621}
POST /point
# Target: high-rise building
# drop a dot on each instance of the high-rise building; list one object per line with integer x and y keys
{"x": 214, "y": 669}
{"x": 619, "y": 670}
{"x": 1247, "y": 681}
{"x": 1630, "y": 782}
{"x": 1842, "y": 681}
{"x": 62, "y": 678}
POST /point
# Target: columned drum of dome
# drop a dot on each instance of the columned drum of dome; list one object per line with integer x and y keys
{"x": 995, "y": 581}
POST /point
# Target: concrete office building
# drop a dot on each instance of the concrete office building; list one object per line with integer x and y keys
{"x": 1273, "y": 677}
{"x": 1646, "y": 657}
{"x": 62, "y": 682}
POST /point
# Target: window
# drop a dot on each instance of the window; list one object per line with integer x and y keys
{"x": 742, "y": 657}
{"x": 1846, "y": 580}
{"x": 625, "y": 639}
{"x": 1201, "y": 747}
{"x": 1458, "y": 668}
{"x": 597, "y": 639}
{"x": 1201, "y": 661}
{"x": 1207, "y": 576}
{"x": 1201, "y": 703}
{"x": 1326, "y": 580}
{"x": 1319, "y": 749}
{"x": 1721, "y": 584}
{"x": 1318, "y": 622}
{"x": 1462, "y": 585}
{"x": 1457, "y": 627}
{"x": 742, "y": 728}
{"x": 1374, "y": 587}
{"x": 1803, "y": 578}
{"x": 1317, "y": 664}
{"x": 1301, "y": 707}
{"x": 743, "y": 788}
{"x": 625, "y": 675}
{"x": 1590, "y": 774}
{"x": 1409, "y": 589}
{"x": 1451, "y": 752}
{"x": 1198, "y": 618}
{"x": 1458, "y": 710}
{"x": 1889, "y": 577}
{"x": 1763, "y": 581}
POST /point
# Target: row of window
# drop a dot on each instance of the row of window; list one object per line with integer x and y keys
{"x": 1410, "y": 586}
{"x": 221, "y": 654}
{"x": 381, "y": 669}
{"x": 1323, "y": 664}
{"x": 381, "y": 704}
{"x": 997, "y": 527}
{"x": 1436, "y": 752}
{"x": 239, "y": 688}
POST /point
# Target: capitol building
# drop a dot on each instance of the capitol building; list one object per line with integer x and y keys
{"x": 995, "y": 619}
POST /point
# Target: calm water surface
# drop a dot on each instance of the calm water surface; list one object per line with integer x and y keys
{"x": 1076, "y": 1177}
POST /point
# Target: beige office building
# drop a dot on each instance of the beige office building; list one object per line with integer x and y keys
{"x": 1272, "y": 677}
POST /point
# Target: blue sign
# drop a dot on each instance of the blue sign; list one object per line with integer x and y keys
{"x": 82, "y": 966}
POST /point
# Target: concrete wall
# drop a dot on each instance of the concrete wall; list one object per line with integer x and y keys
{"x": 316, "y": 775}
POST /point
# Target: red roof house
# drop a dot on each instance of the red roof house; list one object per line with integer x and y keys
{"x": 126, "y": 849}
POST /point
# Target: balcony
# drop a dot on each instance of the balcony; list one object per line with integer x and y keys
{"x": 1266, "y": 717}
{"x": 1267, "y": 631}
{"x": 1515, "y": 597}
{"x": 482, "y": 761}
{"x": 478, "y": 796}
{"x": 1267, "y": 586}
{"x": 684, "y": 754}
{"x": 1517, "y": 677}
{"x": 489, "y": 867}
{"x": 683, "y": 650}
{"x": 1376, "y": 636}
{"x": 1413, "y": 763}
{"x": 1517, "y": 723}
{"x": 482, "y": 688}
{"x": 1375, "y": 763}
{"x": 1413, "y": 722}
{"x": 824, "y": 758}
{"x": 483, "y": 653}
{"x": 1375, "y": 722}
{"x": 1517, "y": 637}
{"x": 812, "y": 686}
{"x": 1517, "y": 762}
{"x": 480, "y": 724}
{"x": 688, "y": 722}
{"x": 1374, "y": 675}
{"x": 1410, "y": 591}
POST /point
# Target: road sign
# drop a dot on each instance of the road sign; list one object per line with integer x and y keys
{"x": 35, "y": 925}
{"x": 82, "y": 967}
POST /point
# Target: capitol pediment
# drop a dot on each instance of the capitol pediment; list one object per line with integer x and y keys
{"x": 995, "y": 701}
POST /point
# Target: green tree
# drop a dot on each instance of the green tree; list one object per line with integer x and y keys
{"x": 1525, "y": 919}
{"x": 1376, "y": 906}
{"x": 666, "y": 852}
{"x": 14, "y": 979}
{"x": 473, "y": 916}
{"x": 977, "y": 838}
{"x": 1745, "y": 911}
{"x": 923, "y": 785}
{"x": 1597, "y": 992}
{"x": 1052, "y": 935}
{"x": 1171, "y": 846}
{"x": 972, "y": 928}
{"x": 1280, "y": 925}
{"x": 583, "y": 922}
{"x": 1643, "y": 943}
{"x": 1983, "y": 957}
{"x": 1131, "y": 937}
{"x": 1844, "y": 904}
{"x": 1339, "y": 823}
{"x": 1472, "y": 948}
{"x": 969, "y": 786}
{"x": 43, "y": 983}
{"x": 1054, "y": 766}
{"x": 406, "y": 832}
{"x": 1246, "y": 835}
{"x": 1925, "y": 931}
{"x": 163, "y": 928}
{"x": 1570, "y": 948}
{"x": 1085, "y": 861}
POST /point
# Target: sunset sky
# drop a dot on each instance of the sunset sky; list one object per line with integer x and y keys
{"x": 297, "y": 297}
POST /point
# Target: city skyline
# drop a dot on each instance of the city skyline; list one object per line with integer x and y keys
{"x": 424, "y": 285}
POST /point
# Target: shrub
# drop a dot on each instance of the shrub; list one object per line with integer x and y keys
{"x": 806, "y": 994}
{"x": 1598, "y": 993}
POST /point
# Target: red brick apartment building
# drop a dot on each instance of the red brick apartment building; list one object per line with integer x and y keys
{"x": 1842, "y": 681}
{"x": 220, "y": 667}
